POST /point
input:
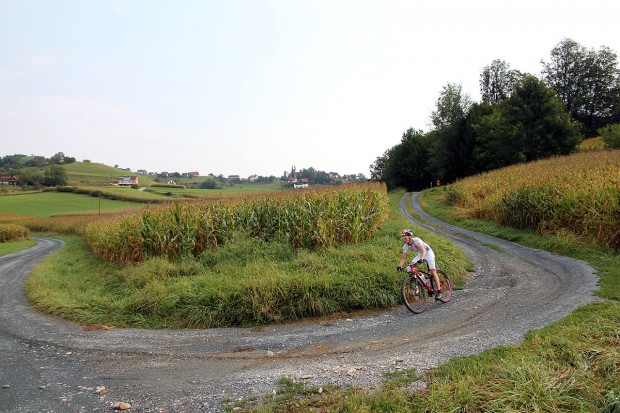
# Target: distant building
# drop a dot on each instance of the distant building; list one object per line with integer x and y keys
{"x": 127, "y": 180}
{"x": 292, "y": 177}
{"x": 9, "y": 180}
{"x": 234, "y": 178}
{"x": 252, "y": 178}
{"x": 171, "y": 182}
{"x": 142, "y": 172}
{"x": 194, "y": 174}
{"x": 334, "y": 175}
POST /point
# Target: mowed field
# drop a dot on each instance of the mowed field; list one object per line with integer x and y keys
{"x": 47, "y": 204}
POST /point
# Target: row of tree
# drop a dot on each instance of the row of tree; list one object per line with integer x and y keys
{"x": 521, "y": 118}
{"x": 20, "y": 161}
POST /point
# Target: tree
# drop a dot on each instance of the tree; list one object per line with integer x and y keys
{"x": 377, "y": 168}
{"x": 55, "y": 175}
{"x": 495, "y": 143}
{"x": 451, "y": 106}
{"x": 58, "y": 158}
{"x": 210, "y": 184}
{"x": 564, "y": 72}
{"x": 30, "y": 177}
{"x": 446, "y": 142}
{"x": 538, "y": 121}
{"x": 406, "y": 165}
{"x": 497, "y": 81}
{"x": 587, "y": 82}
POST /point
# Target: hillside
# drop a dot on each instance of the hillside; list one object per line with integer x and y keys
{"x": 95, "y": 174}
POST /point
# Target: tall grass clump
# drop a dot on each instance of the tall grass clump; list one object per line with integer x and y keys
{"x": 12, "y": 232}
{"x": 307, "y": 219}
{"x": 577, "y": 194}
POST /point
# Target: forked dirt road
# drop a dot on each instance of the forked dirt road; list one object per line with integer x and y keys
{"x": 49, "y": 365}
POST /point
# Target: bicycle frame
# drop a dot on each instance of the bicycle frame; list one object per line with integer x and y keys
{"x": 417, "y": 273}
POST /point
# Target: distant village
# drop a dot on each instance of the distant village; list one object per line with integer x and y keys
{"x": 12, "y": 175}
{"x": 293, "y": 178}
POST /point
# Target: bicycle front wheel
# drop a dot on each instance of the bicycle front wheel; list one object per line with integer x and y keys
{"x": 445, "y": 286}
{"x": 414, "y": 295}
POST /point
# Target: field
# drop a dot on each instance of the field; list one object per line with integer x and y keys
{"x": 47, "y": 204}
{"x": 96, "y": 174}
{"x": 576, "y": 196}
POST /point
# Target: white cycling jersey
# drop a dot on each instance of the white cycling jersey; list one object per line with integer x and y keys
{"x": 416, "y": 245}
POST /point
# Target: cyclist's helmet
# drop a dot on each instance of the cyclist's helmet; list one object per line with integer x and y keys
{"x": 406, "y": 232}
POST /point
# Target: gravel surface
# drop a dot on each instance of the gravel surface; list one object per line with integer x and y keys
{"x": 50, "y": 365}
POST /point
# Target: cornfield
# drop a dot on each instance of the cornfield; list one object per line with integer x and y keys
{"x": 307, "y": 219}
{"x": 11, "y": 232}
{"x": 579, "y": 194}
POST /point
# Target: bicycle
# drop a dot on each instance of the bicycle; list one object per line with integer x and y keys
{"x": 419, "y": 285}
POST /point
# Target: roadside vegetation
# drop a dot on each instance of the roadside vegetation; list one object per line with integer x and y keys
{"x": 573, "y": 197}
{"x": 13, "y": 238}
{"x": 12, "y": 232}
{"x": 10, "y": 247}
{"x": 308, "y": 219}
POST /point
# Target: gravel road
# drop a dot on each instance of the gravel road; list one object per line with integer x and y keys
{"x": 50, "y": 365}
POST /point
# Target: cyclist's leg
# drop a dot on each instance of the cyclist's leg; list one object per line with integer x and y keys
{"x": 430, "y": 260}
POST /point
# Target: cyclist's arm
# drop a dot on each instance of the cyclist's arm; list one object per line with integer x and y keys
{"x": 403, "y": 259}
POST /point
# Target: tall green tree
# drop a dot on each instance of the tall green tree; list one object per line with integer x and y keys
{"x": 377, "y": 168}
{"x": 451, "y": 106}
{"x": 406, "y": 163}
{"x": 587, "y": 82}
{"x": 55, "y": 175}
{"x": 495, "y": 146}
{"x": 446, "y": 139}
{"x": 497, "y": 81}
{"x": 540, "y": 125}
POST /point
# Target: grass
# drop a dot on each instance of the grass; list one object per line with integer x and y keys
{"x": 96, "y": 174}
{"x": 10, "y": 247}
{"x": 46, "y": 204}
{"x": 246, "y": 282}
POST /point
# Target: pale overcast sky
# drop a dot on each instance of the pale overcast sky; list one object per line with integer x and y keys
{"x": 256, "y": 86}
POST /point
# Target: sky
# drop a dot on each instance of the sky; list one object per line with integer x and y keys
{"x": 242, "y": 87}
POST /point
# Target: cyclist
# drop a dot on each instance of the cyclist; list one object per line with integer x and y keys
{"x": 424, "y": 253}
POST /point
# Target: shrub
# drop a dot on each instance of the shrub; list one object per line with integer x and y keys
{"x": 611, "y": 135}
{"x": 11, "y": 232}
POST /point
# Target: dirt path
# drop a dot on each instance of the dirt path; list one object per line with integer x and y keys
{"x": 52, "y": 365}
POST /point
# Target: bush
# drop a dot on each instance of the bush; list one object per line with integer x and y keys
{"x": 11, "y": 232}
{"x": 611, "y": 136}
{"x": 210, "y": 184}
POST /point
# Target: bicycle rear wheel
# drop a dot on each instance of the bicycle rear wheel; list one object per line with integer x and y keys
{"x": 414, "y": 295}
{"x": 446, "y": 286}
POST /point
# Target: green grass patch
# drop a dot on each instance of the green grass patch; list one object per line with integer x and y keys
{"x": 245, "y": 282}
{"x": 96, "y": 174}
{"x": 10, "y": 247}
{"x": 46, "y": 204}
